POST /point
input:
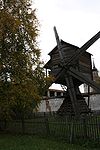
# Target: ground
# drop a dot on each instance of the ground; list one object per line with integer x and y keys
{"x": 27, "y": 142}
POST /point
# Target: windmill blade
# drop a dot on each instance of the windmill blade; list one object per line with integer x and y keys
{"x": 81, "y": 50}
{"x": 82, "y": 78}
{"x": 78, "y": 76}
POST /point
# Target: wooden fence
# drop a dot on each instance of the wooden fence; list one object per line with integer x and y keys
{"x": 69, "y": 128}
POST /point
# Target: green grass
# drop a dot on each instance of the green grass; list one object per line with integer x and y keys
{"x": 27, "y": 142}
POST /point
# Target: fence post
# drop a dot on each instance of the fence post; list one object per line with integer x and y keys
{"x": 71, "y": 130}
{"x": 71, "y": 133}
{"x": 84, "y": 126}
{"x": 47, "y": 126}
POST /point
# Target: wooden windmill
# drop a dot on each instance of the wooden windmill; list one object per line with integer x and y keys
{"x": 71, "y": 66}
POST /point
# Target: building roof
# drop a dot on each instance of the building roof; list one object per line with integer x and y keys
{"x": 67, "y": 44}
{"x": 63, "y": 42}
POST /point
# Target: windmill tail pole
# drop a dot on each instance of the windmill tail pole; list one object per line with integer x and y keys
{"x": 57, "y": 38}
{"x": 58, "y": 44}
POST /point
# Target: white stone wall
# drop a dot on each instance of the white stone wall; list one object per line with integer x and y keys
{"x": 54, "y": 104}
{"x": 94, "y": 103}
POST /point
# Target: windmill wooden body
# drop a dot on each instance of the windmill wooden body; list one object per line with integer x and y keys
{"x": 71, "y": 66}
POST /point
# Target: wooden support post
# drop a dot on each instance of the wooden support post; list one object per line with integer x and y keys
{"x": 88, "y": 95}
{"x": 72, "y": 94}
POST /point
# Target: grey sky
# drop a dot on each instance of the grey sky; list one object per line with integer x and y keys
{"x": 81, "y": 5}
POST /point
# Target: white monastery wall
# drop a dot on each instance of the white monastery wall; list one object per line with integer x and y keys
{"x": 55, "y": 103}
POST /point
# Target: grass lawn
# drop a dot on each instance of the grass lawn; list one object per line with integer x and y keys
{"x": 27, "y": 142}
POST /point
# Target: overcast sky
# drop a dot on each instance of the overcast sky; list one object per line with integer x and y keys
{"x": 76, "y": 22}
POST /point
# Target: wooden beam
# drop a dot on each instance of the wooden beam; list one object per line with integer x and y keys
{"x": 83, "y": 78}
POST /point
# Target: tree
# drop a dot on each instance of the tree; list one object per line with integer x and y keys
{"x": 19, "y": 58}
